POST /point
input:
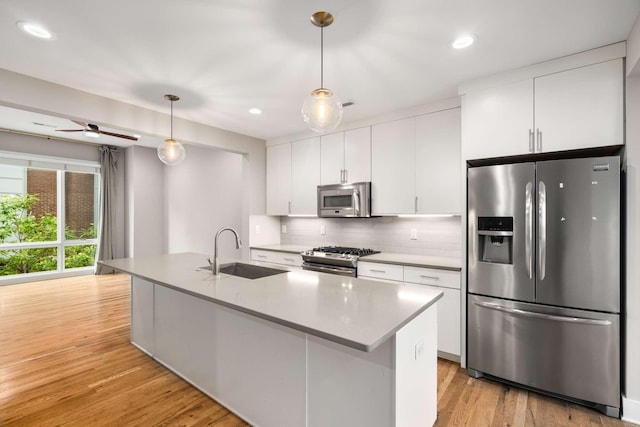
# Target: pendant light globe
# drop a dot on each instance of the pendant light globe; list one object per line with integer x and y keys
{"x": 322, "y": 110}
{"x": 171, "y": 152}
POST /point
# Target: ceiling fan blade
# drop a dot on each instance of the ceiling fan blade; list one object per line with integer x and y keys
{"x": 118, "y": 135}
{"x": 69, "y": 130}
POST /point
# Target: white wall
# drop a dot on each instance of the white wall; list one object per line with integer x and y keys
{"x": 204, "y": 194}
{"x": 145, "y": 194}
{"x": 631, "y": 388}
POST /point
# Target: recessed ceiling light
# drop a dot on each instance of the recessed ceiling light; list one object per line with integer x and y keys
{"x": 34, "y": 29}
{"x": 255, "y": 111}
{"x": 137, "y": 136}
{"x": 463, "y": 41}
{"x": 92, "y": 133}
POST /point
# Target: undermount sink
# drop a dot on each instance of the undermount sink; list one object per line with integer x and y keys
{"x": 248, "y": 271}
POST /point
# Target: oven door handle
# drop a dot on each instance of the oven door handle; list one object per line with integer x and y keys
{"x": 327, "y": 269}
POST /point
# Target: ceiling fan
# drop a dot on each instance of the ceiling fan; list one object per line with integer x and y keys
{"x": 94, "y": 131}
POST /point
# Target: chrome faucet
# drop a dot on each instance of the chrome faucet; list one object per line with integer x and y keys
{"x": 215, "y": 265}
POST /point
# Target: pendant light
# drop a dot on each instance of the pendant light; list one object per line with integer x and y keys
{"x": 322, "y": 110}
{"x": 171, "y": 152}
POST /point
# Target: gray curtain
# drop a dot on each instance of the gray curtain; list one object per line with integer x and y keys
{"x": 109, "y": 207}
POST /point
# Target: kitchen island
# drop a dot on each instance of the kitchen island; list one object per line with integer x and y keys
{"x": 294, "y": 349}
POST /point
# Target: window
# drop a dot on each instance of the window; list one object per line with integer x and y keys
{"x": 49, "y": 215}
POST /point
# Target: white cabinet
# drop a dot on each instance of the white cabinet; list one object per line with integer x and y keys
{"x": 446, "y": 281}
{"x": 305, "y": 176}
{"x": 573, "y": 109}
{"x": 375, "y": 270}
{"x": 580, "y": 108}
{"x": 448, "y": 306}
{"x": 274, "y": 257}
{"x": 438, "y": 163}
{"x": 415, "y": 165}
{"x": 497, "y": 121}
{"x": 393, "y": 167}
{"x": 142, "y": 330}
{"x": 278, "y": 179}
{"x": 293, "y": 174}
{"x": 346, "y": 157}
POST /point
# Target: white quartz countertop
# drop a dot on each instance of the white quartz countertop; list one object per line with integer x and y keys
{"x": 357, "y": 313}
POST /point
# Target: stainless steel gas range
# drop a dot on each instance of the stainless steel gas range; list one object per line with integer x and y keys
{"x": 334, "y": 259}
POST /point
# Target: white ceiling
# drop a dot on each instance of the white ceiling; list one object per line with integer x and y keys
{"x": 224, "y": 57}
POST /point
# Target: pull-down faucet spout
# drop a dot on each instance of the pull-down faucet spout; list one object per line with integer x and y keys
{"x": 215, "y": 265}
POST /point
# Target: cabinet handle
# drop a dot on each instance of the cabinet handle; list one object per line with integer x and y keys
{"x": 341, "y": 176}
{"x": 415, "y": 207}
{"x": 289, "y": 207}
{"x": 289, "y": 259}
{"x": 531, "y": 140}
{"x": 378, "y": 271}
{"x": 429, "y": 277}
{"x": 539, "y": 139}
{"x": 346, "y": 176}
{"x": 261, "y": 256}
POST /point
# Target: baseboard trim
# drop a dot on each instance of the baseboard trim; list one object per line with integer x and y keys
{"x": 630, "y": 410}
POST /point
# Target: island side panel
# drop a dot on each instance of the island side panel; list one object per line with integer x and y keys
{"x": 253, "y": 367}
{"x": 348, "y": 387}
{"x": 142, "y": 315}
{"x": 416, "y": 380}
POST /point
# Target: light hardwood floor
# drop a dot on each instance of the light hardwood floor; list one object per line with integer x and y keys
{"x": 65, "y": 359}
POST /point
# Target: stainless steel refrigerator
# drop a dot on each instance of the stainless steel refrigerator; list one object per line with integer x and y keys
{"x": 543, "y": 302}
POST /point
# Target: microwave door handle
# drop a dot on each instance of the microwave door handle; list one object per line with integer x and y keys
{"x": 356, "y": 203}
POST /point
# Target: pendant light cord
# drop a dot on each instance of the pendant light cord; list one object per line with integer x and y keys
{"x": 171, "y": 120}
{"x": 322, "y": 57}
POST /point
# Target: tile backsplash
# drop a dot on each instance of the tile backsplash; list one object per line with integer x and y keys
{"x": 436, "y": 236}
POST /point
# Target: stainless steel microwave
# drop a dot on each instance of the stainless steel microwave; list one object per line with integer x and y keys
{"x": 344, "y": 200}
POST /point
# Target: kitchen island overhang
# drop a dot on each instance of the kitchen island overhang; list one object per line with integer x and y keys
{"x": 331, "y": 350}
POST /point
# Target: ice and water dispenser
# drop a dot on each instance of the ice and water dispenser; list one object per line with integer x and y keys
{"x": 495, "y": 239}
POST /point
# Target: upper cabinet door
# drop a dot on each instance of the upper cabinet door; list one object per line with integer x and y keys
{"x": 497, "y": 121}
{"x": 357, "y": 155}
{"x": 278, "y": 179}
{"x": 305, "y": 170}
{"x": 393, "y": 167}
{"x": 438, "y": 163}
{"x": 332, "y": 158}
{"x": 580, "y": 108}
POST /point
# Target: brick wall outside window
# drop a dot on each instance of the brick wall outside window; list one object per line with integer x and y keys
{"x": 79, "y": 189}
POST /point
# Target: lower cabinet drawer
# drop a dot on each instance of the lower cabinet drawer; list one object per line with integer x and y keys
{"x": 380, "y": 271}
{"x": 432, "y": 276}
{"x": 274, "y": 257}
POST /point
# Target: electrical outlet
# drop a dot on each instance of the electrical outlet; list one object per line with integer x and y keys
{"x": 419, "y": 349}
{"x": 323, "y": 230}
{"x": 414, "y": 234}
{"x": 258, "y": 229}
{"x": 283, "y": 229}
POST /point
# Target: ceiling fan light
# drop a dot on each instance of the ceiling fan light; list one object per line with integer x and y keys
{"x": 322, "y": 110}
{"x": 171, "y": 152}
{"x": 91, "y": 133}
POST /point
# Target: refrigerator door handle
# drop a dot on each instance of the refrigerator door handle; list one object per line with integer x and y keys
{"x": 525, "y": 313}
{"x": 542, "y": 228}
{"x": 528, "y": 230}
